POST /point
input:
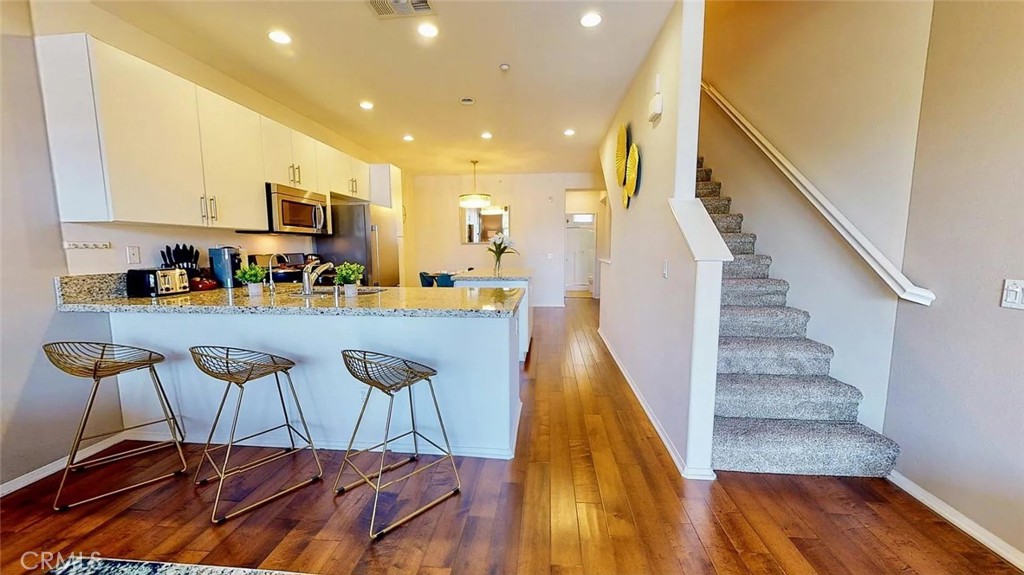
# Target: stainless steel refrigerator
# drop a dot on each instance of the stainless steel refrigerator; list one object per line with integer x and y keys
{"x": 364, "y": 234}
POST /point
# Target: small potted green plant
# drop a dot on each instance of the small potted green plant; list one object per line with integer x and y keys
{"x": 348, "y": 274}
{"x": 252, "y": 276}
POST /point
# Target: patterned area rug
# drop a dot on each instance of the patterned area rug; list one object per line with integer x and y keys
{"x": 101, "y": 566}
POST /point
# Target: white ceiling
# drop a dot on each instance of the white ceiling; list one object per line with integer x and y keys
{"x": 562, "y": 75}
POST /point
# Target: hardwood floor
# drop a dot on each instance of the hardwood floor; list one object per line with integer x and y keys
{"x": 591, "y": 491}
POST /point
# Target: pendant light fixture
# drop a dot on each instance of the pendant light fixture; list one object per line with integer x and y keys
{"x": 474, "y": 200}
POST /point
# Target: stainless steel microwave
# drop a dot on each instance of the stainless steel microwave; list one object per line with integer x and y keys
{"x": 297, "y": 211}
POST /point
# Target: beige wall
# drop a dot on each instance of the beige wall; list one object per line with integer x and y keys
{"x": 536, "y": 223}
{"x": 848, "y": 119}
{"x": 957, "y": 391}
{"x": 836, "y": 87}
{"x": 582, "y": 202}
{"x": 647, "y": 319}
{"x": 39, "y": 406}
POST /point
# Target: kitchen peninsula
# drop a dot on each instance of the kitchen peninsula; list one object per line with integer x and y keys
{"x": 509, "y": 278}
{"x": 470, "y": 335}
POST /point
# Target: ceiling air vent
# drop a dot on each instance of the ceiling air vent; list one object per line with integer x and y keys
{"x": 395, "y": 8}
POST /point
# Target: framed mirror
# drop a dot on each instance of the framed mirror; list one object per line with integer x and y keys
{"x": 479, "y": 225}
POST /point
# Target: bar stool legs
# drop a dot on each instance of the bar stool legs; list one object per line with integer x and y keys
{"x": 222, "y": 471}
{"x": 106, "y": 366}
{"x": 375, "y": 480}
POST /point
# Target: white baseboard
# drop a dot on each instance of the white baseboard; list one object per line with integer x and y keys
{"x": 688, "y": 473}
{"x": 949, "y": 513}
{"x": 35, "y": 475}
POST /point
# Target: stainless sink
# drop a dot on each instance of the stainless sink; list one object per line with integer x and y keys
{"x": 328, "y": 291}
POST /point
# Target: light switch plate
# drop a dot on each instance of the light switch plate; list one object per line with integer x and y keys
{"x": 134, "y": 255}
{"x": 1013, "y": 294}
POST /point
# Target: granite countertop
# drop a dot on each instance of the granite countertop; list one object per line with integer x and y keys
{"x": 509, "y": 274}
{"x": 389, "y": 302}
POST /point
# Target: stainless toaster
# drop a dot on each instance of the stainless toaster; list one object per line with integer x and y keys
{"x": 153, "y": 282}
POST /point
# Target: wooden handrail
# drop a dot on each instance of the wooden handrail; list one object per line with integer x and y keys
{"x": 890, "y": 274}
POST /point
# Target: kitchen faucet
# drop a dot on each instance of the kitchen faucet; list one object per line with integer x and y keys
{"x": 270, "y": 271}
{"x": 309, "y": 275}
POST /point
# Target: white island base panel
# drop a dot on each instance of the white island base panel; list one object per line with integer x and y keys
{"x": 477, "y": 385}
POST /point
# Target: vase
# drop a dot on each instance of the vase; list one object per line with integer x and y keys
{"x": 497, "y": 267}
{"x": 351, "y": 290}
{"x": 255, "y": 290}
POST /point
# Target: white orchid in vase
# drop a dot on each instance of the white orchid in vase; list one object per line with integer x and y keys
{"x": 500, "y": 245}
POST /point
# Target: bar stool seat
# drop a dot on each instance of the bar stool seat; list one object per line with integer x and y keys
{"x": 237, "y": 368}
{"x": 391, "y": 374}
{"x": 97, "y": 361}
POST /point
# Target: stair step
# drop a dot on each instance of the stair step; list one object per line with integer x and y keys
{"x": 728, "y": 222}
{"x": 708, "y": 189}
{"x": 719, "y": 205}
{"x": 801, "y": 447}
{"x": 700, "y": 161}
{"x": 808, "y": 397}
{"x": 739, "y": 243}
{"x": 773, "y": 356}
{"x": 754, "y": 291}
{"x": 703, "y": 174}
{"x": 763, "y": 321}
{"x": 747, "y": 266}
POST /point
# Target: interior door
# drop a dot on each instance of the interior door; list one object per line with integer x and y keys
{"x": 580, "y": 244}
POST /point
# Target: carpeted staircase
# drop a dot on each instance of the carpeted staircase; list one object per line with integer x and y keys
{"x": 776, "y": 408}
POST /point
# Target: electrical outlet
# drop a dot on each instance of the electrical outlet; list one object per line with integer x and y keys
{"x": 87, "y": 245}
{"x": 1013, "y": 294}
{"x": 134, "y": 255}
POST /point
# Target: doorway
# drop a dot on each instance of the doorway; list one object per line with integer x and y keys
{"x": 580, "y": 254}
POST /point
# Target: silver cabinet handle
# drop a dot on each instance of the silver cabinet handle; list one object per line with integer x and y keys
{"x": 291, "y": 173}
{"x": 202, "y": 207}
{"x": 214, "y": 212}
{"x": 298, "y": 170}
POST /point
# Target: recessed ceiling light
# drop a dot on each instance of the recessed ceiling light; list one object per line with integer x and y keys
{"x": 427, "y": 30}
{"x": 279, "y": 36}
{"x": 467, "y": 101}
{"x": 366, "y": 105}
{"x": 504, "y": 67}
{"x": 487, "y": 135}
{"x": 590, "y": 19}
{"x": 408, "y": 138}
{"x": 570, "y": 132}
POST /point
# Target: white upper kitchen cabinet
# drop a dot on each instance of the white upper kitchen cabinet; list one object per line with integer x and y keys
{"x": 278, "y": 165}
{"x": 232, "y": 163}
{"x": 123, "y": 134}
{"x": 289, "y": 157}
{"x": 386, "y": 185}
{"x": 304, "y": 154}
{"x": 360, "y": 179}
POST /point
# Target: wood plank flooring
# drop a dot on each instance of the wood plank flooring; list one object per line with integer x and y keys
{"x": 591, "y": 491}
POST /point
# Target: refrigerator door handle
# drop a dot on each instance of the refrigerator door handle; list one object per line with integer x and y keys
{"x": 376, "y": 254}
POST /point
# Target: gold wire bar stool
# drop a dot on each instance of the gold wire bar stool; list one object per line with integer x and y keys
{"x": 390, "y": 375}
{"x": 237, "y": 367}
{"x": 98, "y": 360}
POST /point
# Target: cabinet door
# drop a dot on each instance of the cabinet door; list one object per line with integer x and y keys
{"x": 341, "y": 173}
{"x": 304, "y": 155}
{"x": 380, "y": 185}
{"x": 232, "y": 163}
{"x": 323, "y": 172}
{"x": 149, "y": 136}
{"x": 278, "y": 166}
{"x": 361, "y": 175}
